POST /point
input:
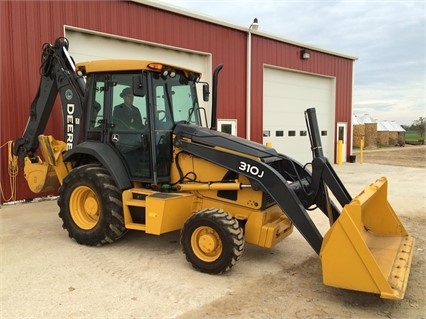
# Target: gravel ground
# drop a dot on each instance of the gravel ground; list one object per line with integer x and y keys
{"x": 44, "y": 274}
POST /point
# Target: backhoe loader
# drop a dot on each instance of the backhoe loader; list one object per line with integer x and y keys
{"x": 159, "y": 169}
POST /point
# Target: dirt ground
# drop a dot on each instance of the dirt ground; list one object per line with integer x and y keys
{"x": 44, "y": 274}
{"x": 410, "y": 156}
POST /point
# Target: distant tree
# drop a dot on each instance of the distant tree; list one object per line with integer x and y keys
{"x": 420, "y": 126}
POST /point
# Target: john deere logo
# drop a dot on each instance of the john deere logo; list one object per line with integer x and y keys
{"x": 68, "y": 94}
{"x": 115, "y": 138}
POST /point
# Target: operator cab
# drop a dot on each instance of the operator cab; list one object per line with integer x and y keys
{"x": 135, "y": 110}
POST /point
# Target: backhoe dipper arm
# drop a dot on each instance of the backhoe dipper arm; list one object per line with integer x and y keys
{"x": 58, "y": 75}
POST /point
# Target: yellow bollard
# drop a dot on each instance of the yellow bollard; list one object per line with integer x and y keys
{"x": 339, "y": 152}
{"x": 361, "y": 151}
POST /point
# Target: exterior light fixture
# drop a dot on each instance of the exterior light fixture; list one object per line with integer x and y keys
{"x": 305, "y": 54}
{"x": 254, "y": 25}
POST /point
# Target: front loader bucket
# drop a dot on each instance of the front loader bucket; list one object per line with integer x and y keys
{"x": 367, "y": 248}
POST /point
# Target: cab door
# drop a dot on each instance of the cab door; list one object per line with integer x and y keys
{"x": 96, "y": 119}
{"x": 129, "y": 130}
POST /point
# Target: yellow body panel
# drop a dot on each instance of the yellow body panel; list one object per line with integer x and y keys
{"x": 207, "y": 171}
{"x": 162, "y": 212}
{"x": 367, "y": 248}
{"x": 167, "y": 212}
{"x": 264, "y": 228}
{"x": 134, "y": 197}
{"x": 267, "y": 228}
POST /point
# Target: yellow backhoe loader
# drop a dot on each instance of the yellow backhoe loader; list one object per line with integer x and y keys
{"x": 135, "y": 155}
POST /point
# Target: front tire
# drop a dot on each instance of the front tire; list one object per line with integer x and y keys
{"x": 91, "y": 207}
{"x": 212, "y": 241}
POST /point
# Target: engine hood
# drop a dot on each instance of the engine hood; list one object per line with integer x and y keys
{"x": 214, "y": 138}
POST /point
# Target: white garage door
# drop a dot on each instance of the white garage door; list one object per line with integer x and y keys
{"x": 86, "y": 45}
{"x": 286, "y": 95}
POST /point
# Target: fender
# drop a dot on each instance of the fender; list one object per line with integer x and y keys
{"x": 106, "y": 156}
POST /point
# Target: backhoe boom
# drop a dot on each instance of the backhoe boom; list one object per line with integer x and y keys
{"x": 57, "y": 76}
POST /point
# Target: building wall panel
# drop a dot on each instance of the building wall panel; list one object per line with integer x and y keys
{"x": 43, "y": 21}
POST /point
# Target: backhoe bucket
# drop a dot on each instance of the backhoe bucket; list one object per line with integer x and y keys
{"x": 367, "y": 248}
{"x": 41, "y": 176}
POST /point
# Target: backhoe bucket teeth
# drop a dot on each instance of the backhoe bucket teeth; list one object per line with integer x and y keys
{"x": 367, "y": 248}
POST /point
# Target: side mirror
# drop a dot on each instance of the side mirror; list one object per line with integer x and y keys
{"x": 139, "y": 85}
{"x": 206, "y": 92}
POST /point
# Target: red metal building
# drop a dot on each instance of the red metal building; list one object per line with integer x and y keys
{"x": 26, "y": 25}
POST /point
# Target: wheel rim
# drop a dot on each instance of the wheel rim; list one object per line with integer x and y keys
{"x": 84, "y": 207}
{"x": 206, "y": 244}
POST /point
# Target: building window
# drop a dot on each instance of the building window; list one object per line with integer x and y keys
{"x": 266, "y": 133}
{"x": 341, "y": 134}
{"x": 303, "y": 133}
{"x": 279, "y": 133}
{"x": 291, "y": 133}
{"x": 323, "y": 133}
{"x": 227, "y": 126}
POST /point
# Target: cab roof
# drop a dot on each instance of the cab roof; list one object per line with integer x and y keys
{"x": 126, "y": 65}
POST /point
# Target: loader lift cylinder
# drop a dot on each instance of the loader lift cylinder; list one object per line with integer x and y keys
{"x": 314, "y": 134}
{"x": 323, "y": 174}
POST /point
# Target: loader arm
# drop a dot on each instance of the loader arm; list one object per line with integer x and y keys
{"x": 283, "y": 189}
{"x": 366, "y": 248}
{"x": 58, "y": 76}
{"x": 287, "y": 181}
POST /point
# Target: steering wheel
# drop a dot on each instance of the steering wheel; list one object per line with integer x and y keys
{"x": 120, "y": 123}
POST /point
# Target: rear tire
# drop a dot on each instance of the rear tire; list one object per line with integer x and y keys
{"x": 212, "y": 241}
{"x": 91, "y": 207}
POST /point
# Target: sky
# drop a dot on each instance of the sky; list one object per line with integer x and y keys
{"x": 387, "y": 36}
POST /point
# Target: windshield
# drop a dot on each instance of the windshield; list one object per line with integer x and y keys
{"x": 175, "y": 100}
